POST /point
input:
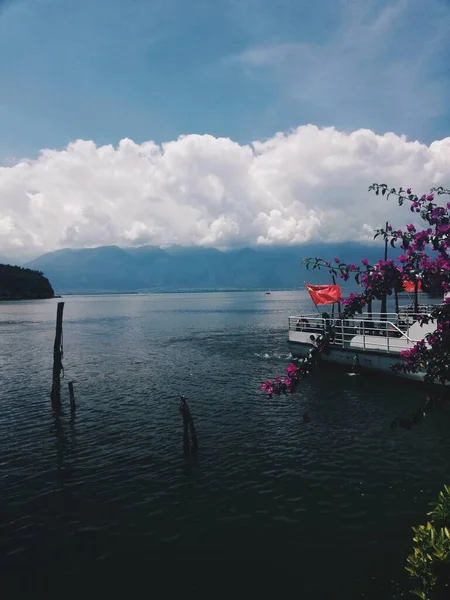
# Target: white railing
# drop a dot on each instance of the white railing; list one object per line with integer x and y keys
{"x": 388, "y": 335}
{"x": 422, "y": 309}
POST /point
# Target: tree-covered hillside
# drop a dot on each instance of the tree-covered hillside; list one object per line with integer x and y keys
{"x": 17, "y": 283}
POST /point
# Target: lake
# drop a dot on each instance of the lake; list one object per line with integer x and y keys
{"x": 320, "y": 510}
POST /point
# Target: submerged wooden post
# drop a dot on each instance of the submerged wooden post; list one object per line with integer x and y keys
{"x": 190, "y": 441}
{"x": 194, "y": 440}
{"x": 57, "y": 359}
{"x": 72, "y": 397}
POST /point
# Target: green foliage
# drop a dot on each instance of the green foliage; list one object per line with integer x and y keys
{"x": 17, "y": 283}
{"x": 430, "y": 560}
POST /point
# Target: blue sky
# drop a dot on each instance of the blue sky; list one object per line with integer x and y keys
{"x": 155, "y": 69}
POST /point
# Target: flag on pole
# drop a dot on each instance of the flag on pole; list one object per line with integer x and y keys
{"x": 408, "y": 286}
{"x": 324, "y": 294}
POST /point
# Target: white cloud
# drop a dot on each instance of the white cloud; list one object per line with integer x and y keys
{"x": 310, "y": 184}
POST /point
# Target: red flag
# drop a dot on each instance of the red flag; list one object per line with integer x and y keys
{"x": 324, "y": 294}
{"x": 408, "y": 286}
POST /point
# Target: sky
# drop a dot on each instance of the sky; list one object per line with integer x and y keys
{"x": 215, "y": 122}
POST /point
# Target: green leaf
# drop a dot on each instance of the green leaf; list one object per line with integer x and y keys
{"x": 420, "y": 594}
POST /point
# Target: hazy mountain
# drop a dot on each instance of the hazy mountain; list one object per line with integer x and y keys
{"x": 150, "y": 268}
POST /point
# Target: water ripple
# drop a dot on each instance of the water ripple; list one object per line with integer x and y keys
{"x": 111, "y": 486}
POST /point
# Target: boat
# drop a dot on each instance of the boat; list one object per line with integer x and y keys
{"x": 362, "y": 342}
{"x": 365, "y": 343}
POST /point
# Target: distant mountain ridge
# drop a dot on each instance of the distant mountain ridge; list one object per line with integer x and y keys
{"x": 178, "y": 268}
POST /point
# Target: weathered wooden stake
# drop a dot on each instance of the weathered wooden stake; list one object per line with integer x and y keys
{"x": 190, "y": 441}
{"x": 57, "y": 359}
{"x": 72, "y": 397}
{"x": 194, "y": 440}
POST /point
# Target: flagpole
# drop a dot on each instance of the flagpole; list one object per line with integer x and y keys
{"x": 306, "y": 285}
{"x": 338, "y": 303}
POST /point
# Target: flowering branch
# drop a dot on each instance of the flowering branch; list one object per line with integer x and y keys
{"x": 388, "y": 276}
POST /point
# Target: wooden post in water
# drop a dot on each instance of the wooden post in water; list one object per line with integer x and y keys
{"x": 72, "y": 397}
{"x": 194, "y": 440}
{"x": 57, "y": 359}
{"x": 190, "y": 441}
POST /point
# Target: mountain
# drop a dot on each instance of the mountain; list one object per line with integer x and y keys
{"x": 17, "y": 283}
{"x": 177, "y": 268}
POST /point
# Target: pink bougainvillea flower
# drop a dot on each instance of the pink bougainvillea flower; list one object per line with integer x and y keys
{"x": 266, "y": 385}
{"x": 291, "y": 369}
{"x": 336, "y": 260}
{"x": 365, "y": 262}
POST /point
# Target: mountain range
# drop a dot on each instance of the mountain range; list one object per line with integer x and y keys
{"x": 176, "y": 268}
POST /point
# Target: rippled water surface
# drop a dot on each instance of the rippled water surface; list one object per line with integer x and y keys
{"x": 318, "y": 510}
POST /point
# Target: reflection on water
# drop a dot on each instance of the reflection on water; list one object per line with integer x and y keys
{"x": 270, "y": 502}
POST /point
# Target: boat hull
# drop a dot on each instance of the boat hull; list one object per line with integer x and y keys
{"x": 373, "y": 361}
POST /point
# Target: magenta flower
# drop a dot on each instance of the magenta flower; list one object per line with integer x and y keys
{"x": 408, "y": 191}
{"x": 430, "y": 197}
{"x": 265, "y": 386}
{"x": 365, "y": 262}
{"x": 291, "y": 369}
{"x": 336, "y": 260}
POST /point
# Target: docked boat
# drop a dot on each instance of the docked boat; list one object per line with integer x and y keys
{"x": 366, "y": 343}
{"x": 363, "y": 341}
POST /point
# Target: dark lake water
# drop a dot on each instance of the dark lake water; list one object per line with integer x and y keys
{"x": 319, "y": 510}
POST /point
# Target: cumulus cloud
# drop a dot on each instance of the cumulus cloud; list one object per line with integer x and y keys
{"x": 307, "y": 185}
